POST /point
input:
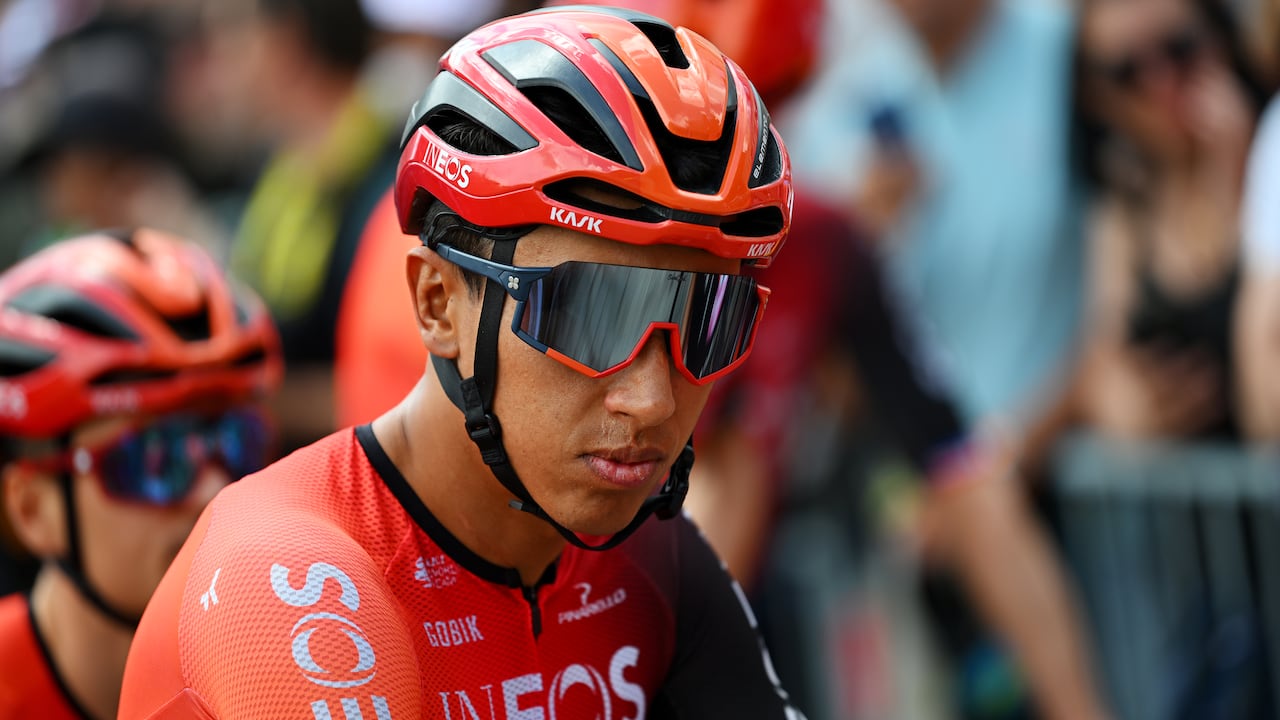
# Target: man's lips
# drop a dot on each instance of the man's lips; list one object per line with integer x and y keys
{"x": 626, "y": 467}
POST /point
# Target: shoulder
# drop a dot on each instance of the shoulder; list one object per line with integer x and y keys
{"x": 1261, "y": 216}
{"x": 27, "y": 685}
{"x": 276, "y": 602}
{"x": 18, "y": 644}
{"x": 675, "y": 557}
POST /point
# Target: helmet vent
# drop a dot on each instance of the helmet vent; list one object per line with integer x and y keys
{"x": 566, "y": 95}
{"x": 468, "y": 135}
{"x": 663, "y": 37}
{"x": 192, "y": 327}
{"x": 573, "y": 120}
{"x": 130, "y": 376}
{"x": 256, "y": 356}
{"x": 71, "y": 310}
{"x": 19, "y": 358}
{"x": 761, "y": 222}
{"x": 693, "y": 165}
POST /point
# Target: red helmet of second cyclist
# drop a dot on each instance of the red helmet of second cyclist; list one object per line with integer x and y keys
{"x": 123, "y": 323}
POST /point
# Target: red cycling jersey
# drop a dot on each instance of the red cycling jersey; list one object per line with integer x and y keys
{"x": 323, "y": 588}
{"x": 29, "y": 686}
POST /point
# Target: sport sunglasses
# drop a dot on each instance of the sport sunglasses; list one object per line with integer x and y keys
{"x": 596, "y": 318}
{"x": 158, "y": 463}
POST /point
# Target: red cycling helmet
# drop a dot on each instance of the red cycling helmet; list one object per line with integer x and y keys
{"x": 643, "y": 96}
{"x": 775, "y": 41}
{"x": 146, "y": 322}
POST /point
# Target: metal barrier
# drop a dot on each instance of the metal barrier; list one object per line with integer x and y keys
{"x": 1176, "y": 552}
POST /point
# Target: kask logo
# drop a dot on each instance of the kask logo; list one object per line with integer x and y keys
{"x": 114, "y": 400}
{"x": 569, "y": 218}
{"x": 337, "y": 635}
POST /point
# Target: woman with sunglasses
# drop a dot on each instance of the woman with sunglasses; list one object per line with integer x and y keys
{"x": 1167, "y": 111}
{"x": 588, "y": 185}
{"x": 130, "y": 374}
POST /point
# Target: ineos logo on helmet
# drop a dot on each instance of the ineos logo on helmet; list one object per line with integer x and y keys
{"x": 448, "y": 166}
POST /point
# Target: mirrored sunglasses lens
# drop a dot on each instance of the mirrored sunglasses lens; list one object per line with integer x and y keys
{"x": 597, "y": 314}
{"x": 721, "y": 317}
{"x": 242, "y": 440}
{"x": 154, "y": 465}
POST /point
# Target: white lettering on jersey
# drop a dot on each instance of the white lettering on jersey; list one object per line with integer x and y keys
{"x": 465, "y": 706}
{"x": 583, "y": 675}
{"x": 324, "y": 622}
{"x": 351, "y": 709}
{"x": 451, "y": 633}
{"x": 569, "y": 218}
{"x": 520, "y": 695}
{"x": 328, "y": 628}
{"x": 626, "y": 657}
{"x": 516, "y": 687}
{"x": 437, "y": 572}
{"x": 314, "y": 587}
{"x": 594, "y": 607}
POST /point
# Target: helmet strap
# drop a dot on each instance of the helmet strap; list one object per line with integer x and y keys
{"x": 474, "y": 397}
{"x": 72, "y": 564}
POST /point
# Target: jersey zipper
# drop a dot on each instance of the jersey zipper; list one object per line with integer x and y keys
{"x": 535, "y": 613}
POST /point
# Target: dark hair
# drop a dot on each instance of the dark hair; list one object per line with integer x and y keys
{"x": 1089, "y": 136}
{"x": 337, "y": 30}
{"x": 465, "y": 134}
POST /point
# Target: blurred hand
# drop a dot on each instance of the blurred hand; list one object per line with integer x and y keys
{"x": 1146, "y": 392}
{"x": 891, "y": 182}
{"x": 1217, "y": 113}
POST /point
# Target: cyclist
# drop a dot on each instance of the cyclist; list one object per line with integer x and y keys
{"x": 130, "y": 373}
{"x": 830, "y": 296}
{"x": 588, "y": 185}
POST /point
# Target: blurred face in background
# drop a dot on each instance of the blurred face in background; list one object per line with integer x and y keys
{"x": 1153, "y": 72}
{"x": 127, "y": 546}
{"x": 945, "y": 24}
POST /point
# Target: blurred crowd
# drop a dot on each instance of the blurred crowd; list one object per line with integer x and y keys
{"x": 1018, "y": 221}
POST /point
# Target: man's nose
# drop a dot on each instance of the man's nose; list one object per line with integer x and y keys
{"x": 645, "y": 388}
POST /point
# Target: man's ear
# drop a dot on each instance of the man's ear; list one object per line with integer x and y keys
{"x": 34, "y": 508}
{"x": 441, "y": 300}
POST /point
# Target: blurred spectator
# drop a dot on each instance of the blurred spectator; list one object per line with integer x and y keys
{"x": 1168, "y": 109}
{"x": 944, "y": 125}
{"x": 1257, "y": 340}
{"x": 334, "y": 155}
{"x": 832, "y": 287}
{"x": 133, "y": 374}
{"x": 379, "y": 355}
{"x": 104, "y": 152}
